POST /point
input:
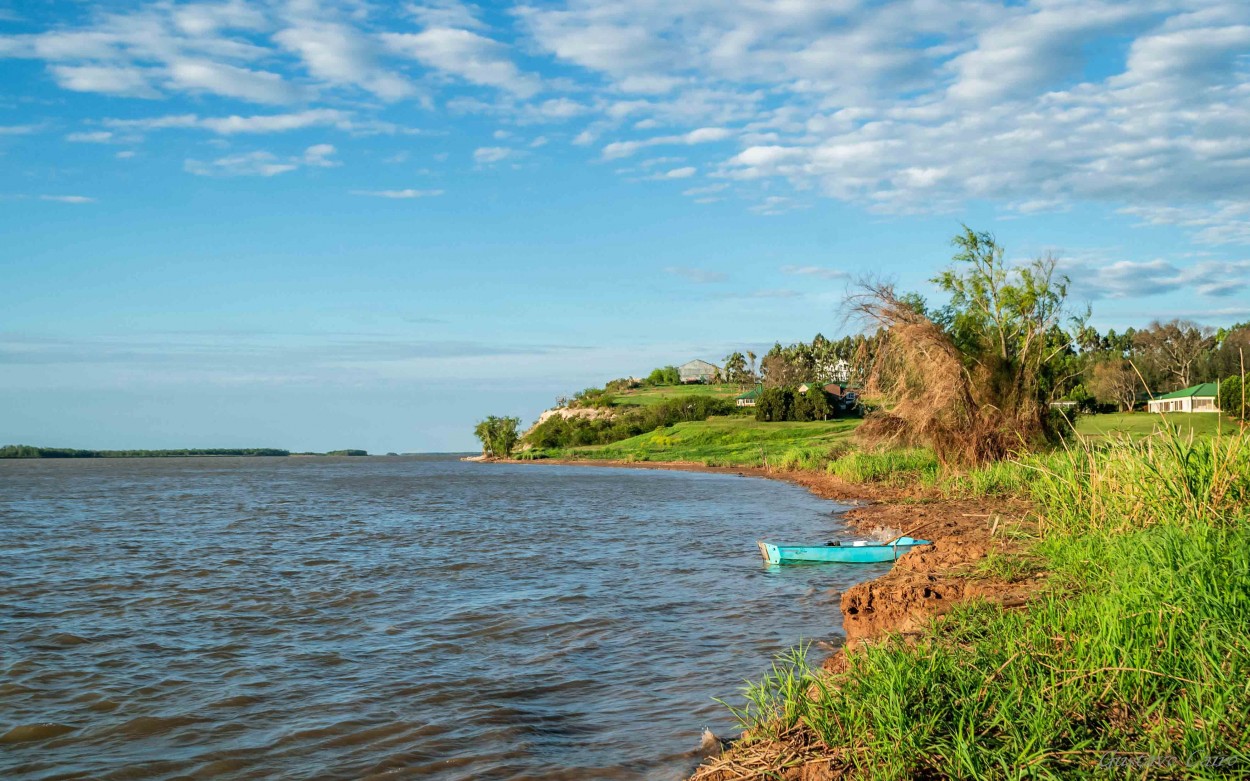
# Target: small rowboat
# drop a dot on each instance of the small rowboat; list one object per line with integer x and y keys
{"x": 858, "y": 551}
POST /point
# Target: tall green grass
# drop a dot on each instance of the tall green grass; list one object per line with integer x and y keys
{"x": 1133, "y": 661}
{"x": 1122, "y": 484}
{"x": 897, "y": 467}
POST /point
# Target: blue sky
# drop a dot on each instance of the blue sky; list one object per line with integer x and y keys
{"x": 331, "y": 224}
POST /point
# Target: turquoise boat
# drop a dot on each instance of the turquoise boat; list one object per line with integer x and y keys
{"x": 850, "y": 552}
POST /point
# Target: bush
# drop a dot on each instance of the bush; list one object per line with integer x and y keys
{"x": 786, "y": 404}
{"x": 560, "y": 432}
{"x": 665, "y": 375}
{"x": 1233, "y": 400}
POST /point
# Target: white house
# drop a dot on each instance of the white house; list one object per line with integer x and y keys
{"x": 1198, "y": 398}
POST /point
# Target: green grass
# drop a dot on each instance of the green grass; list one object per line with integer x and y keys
{"x": 643, "y": 397}
{"x": 1142, "y": 423}
{"x": 1136, "y": 647}
{"x": 729, "y": 441}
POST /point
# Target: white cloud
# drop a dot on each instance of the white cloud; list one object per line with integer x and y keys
{"x": 18, "y": 130}
{"x": 906, "y": 106}
{"x": 231, "y": 81}
{"x": 701, "y": 135}
{"x": 684, "y": 172}
{"x": 262, "y": 163}
{"x": 339, "y": 54}
{"x": 472, "y": 57}
{"x": 125, "y": 81}
{"x": 235, "y": 124}
{"x": 398, "y": 194}
{"x": 94, "y": 137}
{"x": 491, "y": 154}
{"x": 318, "y": 155}
{"x": 1097, "y": 278}
{"x": 67, "y": 198}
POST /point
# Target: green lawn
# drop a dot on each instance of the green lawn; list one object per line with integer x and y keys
{"x": 1142, "y": 423}
{"x": 726, "y": 441}
{"x": 642, "y": 397}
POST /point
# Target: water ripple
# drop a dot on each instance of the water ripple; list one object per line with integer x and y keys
{"x": 386, "y": 618}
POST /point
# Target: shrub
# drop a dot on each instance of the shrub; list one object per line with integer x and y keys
{"x": 1233, "y": 401}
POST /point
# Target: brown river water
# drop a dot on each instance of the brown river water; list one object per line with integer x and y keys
{"x": 408, "y": 617}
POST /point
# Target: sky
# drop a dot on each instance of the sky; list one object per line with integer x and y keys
{"x": 328, "y": 224}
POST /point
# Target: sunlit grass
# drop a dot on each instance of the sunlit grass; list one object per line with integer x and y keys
{"x": 1136, "y": 646}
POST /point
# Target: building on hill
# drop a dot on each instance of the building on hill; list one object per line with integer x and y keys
{"x": 845, "y": 398}
{"x": 841, "y": 372}
{"x": 698, "y": 371}
{"x": 1196, "y": 398}
{"x": 749, "y": 398}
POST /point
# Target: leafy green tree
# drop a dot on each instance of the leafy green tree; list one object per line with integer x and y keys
{"x": 736, "y": 369}
{"x": 819, "y": 404}
{"x": 498, "y": 436}
{"x": 1233, "y": 401}
{"x": 1005, "y": 322}
{"x": 665, "y": 375}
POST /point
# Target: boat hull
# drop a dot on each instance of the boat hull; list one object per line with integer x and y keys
{"x": 844, "y": 554}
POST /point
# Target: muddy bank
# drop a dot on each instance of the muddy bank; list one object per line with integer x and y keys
{"x": 922, "y": 585}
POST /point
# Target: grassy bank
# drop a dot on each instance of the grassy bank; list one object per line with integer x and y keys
{"x": 1142, "y": 423}
{"x": 648, "y": 395}
{"x": 1132, "y": 660}
{"x": 726, "y": 441}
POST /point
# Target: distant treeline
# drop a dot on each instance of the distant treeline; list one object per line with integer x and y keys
{"x": 31, "y": 451}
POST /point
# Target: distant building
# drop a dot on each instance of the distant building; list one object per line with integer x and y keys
{"x": 749, "y": 398}
{"x": 841, "y": 392}
{"x": 698, "y": 371}
{"x": 841, "y": 372}
{"x": 1197, "y": 398}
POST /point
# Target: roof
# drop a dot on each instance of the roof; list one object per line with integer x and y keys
{"x": 754, "y": 393}
{"x": 697, "y": 364}
{"x": 1203, "y": 389}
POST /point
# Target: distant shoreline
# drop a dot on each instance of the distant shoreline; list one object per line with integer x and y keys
{"x": 37, "y": 452}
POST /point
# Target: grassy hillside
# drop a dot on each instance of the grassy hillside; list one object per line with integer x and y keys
{"x": 1142, "y": 423}
{"x": 642, "y": 397}
{"x": 725, "y": 441}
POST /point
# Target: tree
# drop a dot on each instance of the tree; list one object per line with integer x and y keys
{"x": 498, "y": 435}
{"x": 666, "y": 375}
{"x": 1233, "y": 401}
{"x": 751, "y": 361}
{"x": 736, "y": 369}
{"x": 973, "y": 380}
{"x": 818, "y": 402}
{"x": 1005, "y": 322}
{"x": 1171, "y": 349}
{"x": 1114, "y": 381}
{"x": 774, "y": 405}
{"x": 1233, "y": 352}
{"x": 782, "y": 368}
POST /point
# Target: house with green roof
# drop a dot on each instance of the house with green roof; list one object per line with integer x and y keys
{"x": 1197, "y": 398}
{"x": 749, "y": 398}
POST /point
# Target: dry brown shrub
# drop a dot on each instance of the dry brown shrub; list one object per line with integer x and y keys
{"x": 931, "y": 397}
